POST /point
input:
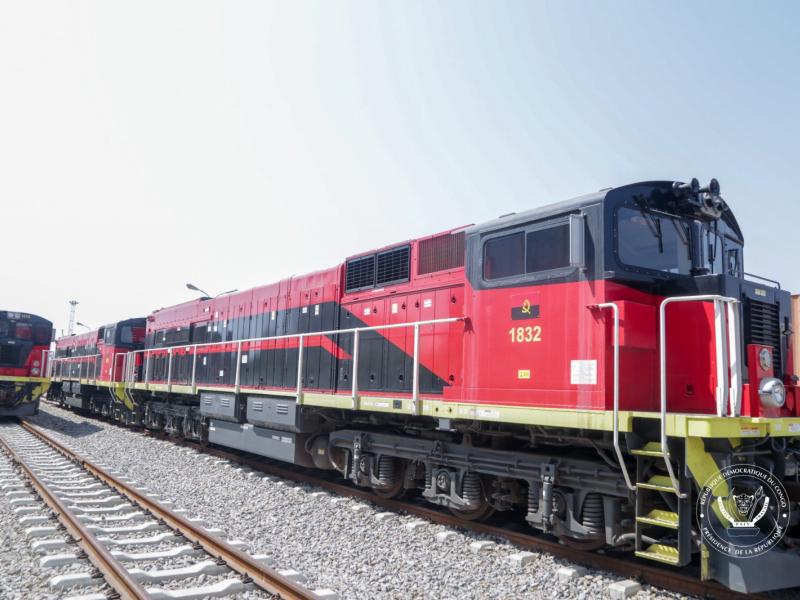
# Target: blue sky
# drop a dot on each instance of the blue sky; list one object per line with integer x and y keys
{"x": 231, "y": 144}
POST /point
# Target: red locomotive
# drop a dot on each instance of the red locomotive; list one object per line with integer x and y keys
{"x": 24, "y": 347}
{"x": 590, "y": 363}
{"x": 88, "y": 367}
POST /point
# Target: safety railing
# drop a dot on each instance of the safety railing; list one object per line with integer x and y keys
{"x": 617, "y": 449}
{"x": 62, "y": 367}
{"x": 727, "y": 335}
{"x": 130, "y": 366}
{"x": 44, "y": 364}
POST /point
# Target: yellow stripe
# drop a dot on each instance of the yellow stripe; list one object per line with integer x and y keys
{"x": 24, "y": 379}
{"x": 678, "y": 425}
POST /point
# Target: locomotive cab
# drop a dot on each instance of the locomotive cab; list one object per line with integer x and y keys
{"x": 678, "y": 240}
{"x": 24, "y": 347}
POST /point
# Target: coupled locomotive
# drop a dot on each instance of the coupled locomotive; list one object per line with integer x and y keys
{"x": 589, "y": 364}
{"x": 24, "y": 348}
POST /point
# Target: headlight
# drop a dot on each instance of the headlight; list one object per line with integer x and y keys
{"x": 36, "y": 363}
{"x": 772, "y": 393}
{"x": 34, "y": 371}
{"x": 765, "y": 359}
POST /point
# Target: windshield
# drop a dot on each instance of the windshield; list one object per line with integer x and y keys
{"x": 653, "y": 241}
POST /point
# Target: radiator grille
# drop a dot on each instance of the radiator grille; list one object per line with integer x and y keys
{"x": 762, "y": 326}
{"x": 9, "y": 356}
{"x": 360, "y": 273}
{"x": 393, "y": 266}
{"x": 440, "y": 253}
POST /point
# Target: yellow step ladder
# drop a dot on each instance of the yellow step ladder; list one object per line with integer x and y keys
{"x": 662, "y": 510}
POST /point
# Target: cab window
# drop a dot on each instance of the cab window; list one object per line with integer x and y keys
{"x": 547, "y": 249}
{"x": 653, "y": 241}
{"x": 504, "y": 256}
{"x": 42, "y": 334}
{"x": 539, "y": 248}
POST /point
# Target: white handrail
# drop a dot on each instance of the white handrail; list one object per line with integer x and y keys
{"x": 301, "y": 337}
{"x": 617, "y": 450}
{"x": 80, "y": 360}
{"x": 723, "y": 363}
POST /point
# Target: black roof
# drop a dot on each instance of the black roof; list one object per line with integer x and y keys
{"x": 579, "y": 202}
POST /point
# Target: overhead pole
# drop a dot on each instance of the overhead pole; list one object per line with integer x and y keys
{"x": 71, "y": 327}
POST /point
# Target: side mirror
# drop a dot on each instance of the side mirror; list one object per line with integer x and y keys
{"x": 577, "y": 241}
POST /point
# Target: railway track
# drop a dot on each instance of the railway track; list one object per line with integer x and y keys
{"x": 111, "y": 528}
{"x": 684, "y": 581}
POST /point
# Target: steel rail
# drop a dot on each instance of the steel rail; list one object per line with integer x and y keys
{"x": 241, "y": 562}
{"x": 112, "y": 570}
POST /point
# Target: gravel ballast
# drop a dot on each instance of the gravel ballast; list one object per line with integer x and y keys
{"x": 339, "y": 544}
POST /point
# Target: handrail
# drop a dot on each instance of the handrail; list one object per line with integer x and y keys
{"x": 147, "y": 353}
{"x": 44, "y": 365}
{"x": 767, "y": 279}
{"x": 58, "y": 363}
{"x": 617, "y": 449}
{"x": 723, "y": 363}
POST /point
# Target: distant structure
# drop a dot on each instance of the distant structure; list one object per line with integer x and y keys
{"x": 71, "y": 327}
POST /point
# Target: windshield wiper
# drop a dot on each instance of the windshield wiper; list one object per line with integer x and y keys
{"x": 653, "y": 222}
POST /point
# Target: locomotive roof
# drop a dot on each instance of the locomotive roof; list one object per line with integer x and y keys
{"x": 540, "y": 212}
{"x": 22, "y": 316}
{"x": 575, "y": 204}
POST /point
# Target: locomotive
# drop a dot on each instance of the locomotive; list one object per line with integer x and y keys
{"x": 24, "y": 347}
{"x": 589, "y": 365}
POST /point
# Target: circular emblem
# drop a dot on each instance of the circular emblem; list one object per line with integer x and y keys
{"x": 742, "y": 511}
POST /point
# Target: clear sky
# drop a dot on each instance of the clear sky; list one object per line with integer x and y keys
{"x": 144, "y": 145}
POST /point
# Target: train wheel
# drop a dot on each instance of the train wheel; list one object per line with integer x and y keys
{"x": 585, "y": 545}
{"x": 473, "y": 489}
{"x": 392, "y": 471}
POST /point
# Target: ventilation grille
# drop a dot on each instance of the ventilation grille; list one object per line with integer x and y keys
{"x": 440, "y": 253}
{"x": 393, "y": 266}
{"x": 360, "y": 273}
{"x": 762, "y": 326}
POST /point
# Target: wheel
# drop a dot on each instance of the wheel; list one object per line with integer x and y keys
{"x": 585, "y": 545}
{"x": 396, "y": 471}
{"x": 482, "y": 512}
{"x": 474, "y": 488}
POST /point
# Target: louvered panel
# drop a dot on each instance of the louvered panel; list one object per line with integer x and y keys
{"x": 360, "y": 273}
{"x": 762, "y": 326}
{"x": 393, "y": 266}
{"x": 441, "y": 253}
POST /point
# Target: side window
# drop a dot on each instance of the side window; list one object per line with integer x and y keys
{"x": 504, "y": 256}
{"x": 198, "y": 335}
{"x": 547, "y": 249}
{"x": 733, "y": 266}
